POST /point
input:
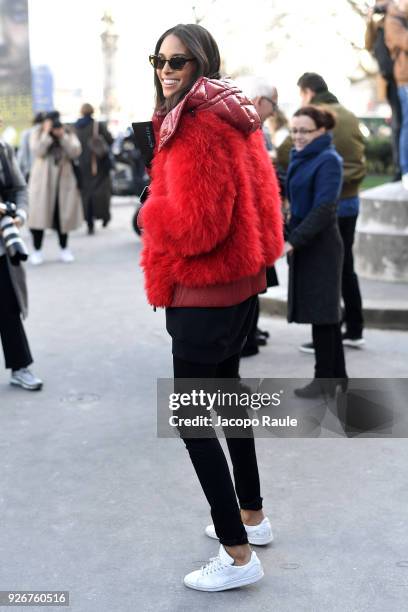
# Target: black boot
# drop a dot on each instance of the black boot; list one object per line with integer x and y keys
{"x": 318, "y": 387}
{"x": 342, "y": 384}
{"x": 249, "y": 350}
{"x": 260, "y": 332}
{"x": 106, "y": 220}
{"x": 260, "y": 339}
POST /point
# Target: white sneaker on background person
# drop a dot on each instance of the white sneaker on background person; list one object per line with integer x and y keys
{"x": 260, "y": 535}
{"x": 307, "y": 347}
{"x": 66, "y": 256}
{"x": 36, "y": 258}
{"x": 356, "y": 342}
{"x": 220, "y": 573}
{"x": 25, "y": 379}
{"x": 404, "y": 180}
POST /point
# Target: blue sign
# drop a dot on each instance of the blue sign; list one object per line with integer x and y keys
{"x": 42, "y": 89}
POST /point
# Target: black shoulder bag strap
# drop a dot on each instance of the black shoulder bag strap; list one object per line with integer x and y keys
{"x": 7, "y": 187}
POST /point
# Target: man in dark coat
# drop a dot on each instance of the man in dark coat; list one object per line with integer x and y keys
{"x": 95, "y": 165}
{"x": 349, "y": 143}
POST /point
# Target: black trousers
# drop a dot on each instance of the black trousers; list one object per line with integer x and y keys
{"x": 15, "y": 344}
{"x": 251, "y": 341}
{"x": 396, "y": 120}
{"x": 329, "y": 352}
{"x": 353, "y": 307}
{"x": 89, "y": 213}
{"x": 38, "y": 235}
{"x": 211, "y": 465}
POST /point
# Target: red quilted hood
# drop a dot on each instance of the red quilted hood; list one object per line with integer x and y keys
{"x": 222, "y": 97}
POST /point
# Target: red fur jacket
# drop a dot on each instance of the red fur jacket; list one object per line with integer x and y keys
{"x": 213, "y": 218}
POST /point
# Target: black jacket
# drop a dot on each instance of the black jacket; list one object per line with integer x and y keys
{"x": 315, "y": 266}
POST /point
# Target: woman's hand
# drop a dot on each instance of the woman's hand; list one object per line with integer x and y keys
{"x": 47, "y": 126}
{"x": 16, "y": 220}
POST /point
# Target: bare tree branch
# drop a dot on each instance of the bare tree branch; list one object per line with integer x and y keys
{"x": 199, "y": 18}
{"x": 359, "y": 6}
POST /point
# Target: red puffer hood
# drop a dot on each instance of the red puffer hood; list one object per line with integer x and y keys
{"x": 222, "y": 97}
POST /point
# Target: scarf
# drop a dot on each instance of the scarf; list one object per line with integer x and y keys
{"x": 83, "y": 122}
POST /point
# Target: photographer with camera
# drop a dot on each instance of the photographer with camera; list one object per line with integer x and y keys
{"x": 55, "y": 200}
{"x": 13, "y": 290}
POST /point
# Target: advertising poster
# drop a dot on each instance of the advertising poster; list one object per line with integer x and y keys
{"x": 15, "y": 71}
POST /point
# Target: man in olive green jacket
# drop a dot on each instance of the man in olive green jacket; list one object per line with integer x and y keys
{"x": 349, "y": 143}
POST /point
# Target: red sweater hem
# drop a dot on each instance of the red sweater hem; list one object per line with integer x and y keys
{"x": 227, "y": 294}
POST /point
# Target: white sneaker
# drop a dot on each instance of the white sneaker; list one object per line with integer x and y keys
{"x": 353, "y": 342}
{"x": 25, "y": 379}
{"x": 220, "y": 573}
{"x": 36, "y": 258}
{"x": 404, "y": 180}
{"x": 66, "y": 256}
{"x": 257, "y": 534}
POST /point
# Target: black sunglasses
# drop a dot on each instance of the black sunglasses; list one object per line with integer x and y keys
{"x": 175, "y": 63}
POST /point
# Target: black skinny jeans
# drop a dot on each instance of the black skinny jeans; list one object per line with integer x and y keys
{"x": 353, "y": 308}
{"x": 15, "y": 344}
{"x": 211, "y": 465}
{"x": 251, "y": 338}
{"x": 38, "y": 235}
{"x": 396, "y": 120}
{"x": 329, "y": 352}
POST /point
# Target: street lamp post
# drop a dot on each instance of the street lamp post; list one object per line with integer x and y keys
{"x": 109, "y": 39}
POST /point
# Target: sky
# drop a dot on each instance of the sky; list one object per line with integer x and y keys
{"x": 71, "y": 46}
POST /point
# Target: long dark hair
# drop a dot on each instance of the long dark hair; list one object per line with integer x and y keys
{"x": 202, "y": 47}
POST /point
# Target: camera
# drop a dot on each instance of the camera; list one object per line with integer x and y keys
{"x": 15, "y": 247}
{"x": 54, "y": 116}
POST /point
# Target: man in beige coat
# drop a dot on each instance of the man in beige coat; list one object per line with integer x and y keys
{"x": 55, "y": 200}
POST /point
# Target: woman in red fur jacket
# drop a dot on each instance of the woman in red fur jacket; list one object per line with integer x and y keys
{"x": 211, "y": 225}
